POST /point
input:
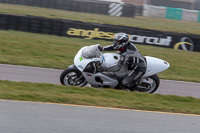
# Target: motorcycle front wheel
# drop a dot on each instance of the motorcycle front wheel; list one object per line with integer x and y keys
{"x": 72, "y": 76}
{"x": 149, "y": 85}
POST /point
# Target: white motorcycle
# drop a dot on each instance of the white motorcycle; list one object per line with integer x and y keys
{"x": 84, "y": 71}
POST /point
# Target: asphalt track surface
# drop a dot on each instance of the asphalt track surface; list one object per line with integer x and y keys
{"x": 46, "y": 75}
{"x": 30, "y": 117}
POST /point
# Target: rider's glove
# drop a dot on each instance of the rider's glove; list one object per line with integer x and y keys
{"x": 100, "y": 48}
{"x": 101, "y": 68}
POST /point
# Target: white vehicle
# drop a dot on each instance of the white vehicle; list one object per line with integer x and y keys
{"x": 84, "y": 71}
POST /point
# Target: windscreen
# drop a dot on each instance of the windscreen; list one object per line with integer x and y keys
{"x": 91, "y": 52}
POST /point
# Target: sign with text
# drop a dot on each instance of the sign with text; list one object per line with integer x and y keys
{"x": 138, "y": 36}
{"x": 84, "y": 30}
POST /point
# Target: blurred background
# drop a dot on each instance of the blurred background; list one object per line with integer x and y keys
{"x": 171, "y": 9}
{"x": 187, "y": 4}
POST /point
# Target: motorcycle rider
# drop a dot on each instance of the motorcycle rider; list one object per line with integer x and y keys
{"x": 130, "y": 55}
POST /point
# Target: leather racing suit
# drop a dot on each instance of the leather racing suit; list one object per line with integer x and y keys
{"x": 135, "y": 61}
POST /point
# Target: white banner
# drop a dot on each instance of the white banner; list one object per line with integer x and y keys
{"x": 190, "y": 15}
{"x": 154, "y": 11}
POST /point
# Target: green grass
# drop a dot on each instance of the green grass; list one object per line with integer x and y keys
{"x": 21, "y": 48}
{"x": 98, "y": 97}
{"x": 139, "y": 21}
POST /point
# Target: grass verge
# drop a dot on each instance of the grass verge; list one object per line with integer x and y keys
{"x": 98, "y": 97}
{"x": 21, "y": 48}
{"x": 160, "y": 24}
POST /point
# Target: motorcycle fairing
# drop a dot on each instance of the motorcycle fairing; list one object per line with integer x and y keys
{"x": 100, "y": 80}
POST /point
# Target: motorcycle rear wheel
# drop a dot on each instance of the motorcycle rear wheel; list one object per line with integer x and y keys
{"x": 72, "y": 76}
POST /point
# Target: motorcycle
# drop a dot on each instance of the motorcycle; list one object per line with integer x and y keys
{"x": 84, "y": 71}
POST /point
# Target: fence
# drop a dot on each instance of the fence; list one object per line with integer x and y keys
{"x": 171, "y": 13}
{"x": 99, "y": 31}
{"x": 186, "y": 4}
{"x": 98, "y": 7}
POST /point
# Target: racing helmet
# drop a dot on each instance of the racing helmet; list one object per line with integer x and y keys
{"x": 120, "y": 41}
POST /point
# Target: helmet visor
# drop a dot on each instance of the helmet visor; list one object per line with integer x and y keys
{"x": 117, "y": 42}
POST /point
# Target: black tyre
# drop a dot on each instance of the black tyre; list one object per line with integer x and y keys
{"x": 72, "y": 76}
{"x": 150, "y": 85}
